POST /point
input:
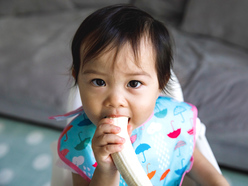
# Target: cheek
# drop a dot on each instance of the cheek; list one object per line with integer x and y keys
{"x": 91, "y": 108}
{"x": 143, "y": 110}
{"x": 92, "y": 113}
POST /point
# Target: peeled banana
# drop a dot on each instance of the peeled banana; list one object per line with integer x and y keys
{"x": 126, "y": 161}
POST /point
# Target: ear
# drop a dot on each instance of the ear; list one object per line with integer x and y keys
{"x": 73, "y": 73}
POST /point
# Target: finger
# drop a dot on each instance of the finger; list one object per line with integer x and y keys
{"x": 109, "y": 139}
{"x": 110, "y": 149}
{"x": 106, "y": 128}
{"x": 103, "y": 151}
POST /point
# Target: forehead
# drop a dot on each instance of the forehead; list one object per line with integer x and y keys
{"x": 140, "y": 56}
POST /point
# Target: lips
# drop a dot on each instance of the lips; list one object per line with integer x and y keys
{"x": 117, "y": 116}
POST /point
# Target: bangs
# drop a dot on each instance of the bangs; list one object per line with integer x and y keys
{"x": 103, "y": 39}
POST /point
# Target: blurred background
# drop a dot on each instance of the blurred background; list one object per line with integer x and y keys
{"x": 210, "y": 61}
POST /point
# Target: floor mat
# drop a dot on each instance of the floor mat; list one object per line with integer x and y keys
{"x": 25, "y": 156}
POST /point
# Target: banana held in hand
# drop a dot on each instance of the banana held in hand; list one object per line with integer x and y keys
{"x": 126, "y": 161}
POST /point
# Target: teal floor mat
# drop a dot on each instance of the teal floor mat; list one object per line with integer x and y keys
{"x": 25, "y": 156}
{"x": 26, "y": 159}
{"x": 235, "y": 178}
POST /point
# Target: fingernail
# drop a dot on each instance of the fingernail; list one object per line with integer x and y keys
{"x": 111, "y": 121}
{"x": 120, "y": 146}
{"x": 122, "y": 140}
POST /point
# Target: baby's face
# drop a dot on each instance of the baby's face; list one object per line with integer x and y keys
{"x": 117, "y": 88}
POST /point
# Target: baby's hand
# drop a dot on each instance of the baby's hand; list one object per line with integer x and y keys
{"x": 105, "y": 142}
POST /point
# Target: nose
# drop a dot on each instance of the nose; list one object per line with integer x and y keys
{"x": 115, "y": 99}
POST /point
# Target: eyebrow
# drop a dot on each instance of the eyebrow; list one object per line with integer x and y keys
{"x": 91, "y": 71}
{"x": 142, "y": 73}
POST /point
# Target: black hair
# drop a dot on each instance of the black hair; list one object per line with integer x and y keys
{"x": 113, "y": 26}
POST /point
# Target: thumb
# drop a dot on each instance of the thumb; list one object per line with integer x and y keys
{"x": 129, "y": 129}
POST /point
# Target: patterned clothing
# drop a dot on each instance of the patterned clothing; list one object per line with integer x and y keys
{"x": 164, "y": 144}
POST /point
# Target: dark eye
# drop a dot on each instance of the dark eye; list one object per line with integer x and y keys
{"x": 98, "y": 82}
{"x": 134, "y": 84}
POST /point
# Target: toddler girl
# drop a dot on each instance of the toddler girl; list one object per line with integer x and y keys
{"x": 122, "y": 60}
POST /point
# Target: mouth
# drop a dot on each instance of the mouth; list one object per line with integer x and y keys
{"x": 117, "y": 117}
